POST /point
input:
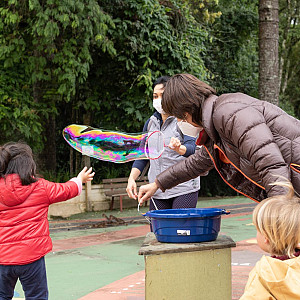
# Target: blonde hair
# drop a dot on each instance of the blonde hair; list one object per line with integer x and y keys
{"x": 278, "y": 219}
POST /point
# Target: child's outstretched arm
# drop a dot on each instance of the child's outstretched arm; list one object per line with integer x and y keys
{"x": 86, "y": 175}
{"x": 58, "y": 192}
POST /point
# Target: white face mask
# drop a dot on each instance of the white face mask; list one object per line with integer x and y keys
{"x": 157, "y": 105}
{"x": 188, "y": 129}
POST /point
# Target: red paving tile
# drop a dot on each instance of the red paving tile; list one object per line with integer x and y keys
{"x": 249, "y": 244}
{"x": 235, "y": 215}
{"x": 247, "y": 252}
{"x": 239, "y": 279}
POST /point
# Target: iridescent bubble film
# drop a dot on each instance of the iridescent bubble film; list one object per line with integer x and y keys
{"x": 114, "y": 146}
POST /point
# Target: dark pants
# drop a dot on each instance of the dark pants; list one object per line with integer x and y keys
{"x": 183, "y": 201}
{"x": 32, "y": 277}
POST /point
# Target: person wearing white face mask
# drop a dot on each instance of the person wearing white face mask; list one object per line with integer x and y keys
{"x": 188, "y": 129}
{"x": 251, "y": 143}
{"x": 179, "y": 146}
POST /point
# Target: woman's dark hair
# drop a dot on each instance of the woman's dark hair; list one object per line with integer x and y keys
{"x": 17, "y": 158}
{"x": 184, "y": 93}
{"x": 161, "y": 80}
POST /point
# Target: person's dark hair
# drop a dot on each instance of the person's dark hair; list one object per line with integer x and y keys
{"x": 184, "y": 93}
{"x": 17, "y": 158}
{"x": 161, "y": 80}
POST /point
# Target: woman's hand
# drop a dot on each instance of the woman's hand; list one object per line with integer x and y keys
{"x": 86, "y": 175}
{"x": 146, "y": 192}
{"x": 131, "y": 188}
{"x": 175, "y": 145}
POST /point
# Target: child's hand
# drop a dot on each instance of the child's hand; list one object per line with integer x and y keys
{"x": 86, "y": 175}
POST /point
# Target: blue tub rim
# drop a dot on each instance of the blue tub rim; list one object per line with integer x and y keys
{"x": 186, "y": 213}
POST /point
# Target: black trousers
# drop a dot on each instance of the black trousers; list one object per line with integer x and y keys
{"x": 32, "y": 277}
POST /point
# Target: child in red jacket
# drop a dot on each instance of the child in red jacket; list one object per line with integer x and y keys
{"x": 24, "y": 227}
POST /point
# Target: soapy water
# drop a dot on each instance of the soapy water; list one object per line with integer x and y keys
{"x": 112, "y": 146}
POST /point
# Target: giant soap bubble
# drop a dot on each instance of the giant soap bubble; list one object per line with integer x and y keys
{"x": 117, "y": 147}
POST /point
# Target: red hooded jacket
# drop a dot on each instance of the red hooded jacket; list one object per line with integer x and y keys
{"x": 24, "y": 227}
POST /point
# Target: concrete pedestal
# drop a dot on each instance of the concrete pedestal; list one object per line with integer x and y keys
{"x": 188, "y": 271}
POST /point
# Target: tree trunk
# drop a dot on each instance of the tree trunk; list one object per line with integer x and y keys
{"x": 268, "y": 86}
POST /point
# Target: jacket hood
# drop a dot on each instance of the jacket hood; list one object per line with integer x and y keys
{"x": 12, "y": 192}
{"x": 279, "y": 275}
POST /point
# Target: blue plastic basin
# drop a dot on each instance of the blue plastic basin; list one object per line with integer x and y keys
{"x": 186, "y": 225}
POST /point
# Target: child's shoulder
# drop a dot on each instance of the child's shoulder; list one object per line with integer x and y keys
{"x": 273, "y": 277}
{"x": 274, "y": 269}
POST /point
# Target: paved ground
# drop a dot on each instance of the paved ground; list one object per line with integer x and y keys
{"x": 93, "y": 260}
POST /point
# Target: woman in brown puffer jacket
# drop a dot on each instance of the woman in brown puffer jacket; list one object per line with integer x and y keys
{"x": 250, "y": 142}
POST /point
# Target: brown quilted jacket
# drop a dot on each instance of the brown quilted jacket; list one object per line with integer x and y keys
{"x": 251, "y": 143}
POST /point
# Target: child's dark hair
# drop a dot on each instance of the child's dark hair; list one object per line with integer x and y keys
{"x": 17, "y": 158}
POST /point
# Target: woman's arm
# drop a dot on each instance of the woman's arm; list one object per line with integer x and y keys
{"x": 131, "y": 186}
{"x": 137, "y": 168}
{"x": 195, "y": 165}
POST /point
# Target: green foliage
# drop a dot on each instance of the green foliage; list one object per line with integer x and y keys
{"x": 150, "y": 39}
{"x": 213, "y": 185}
{"x": 205, "y": 11}
{"x": 59, "y": 176}
{"x": 289, "y": 50}
{"x": 19, "y": 115}
{"x": 63, "y": 34}
{"x": 233, "y": 53}
{"x": 288, "y": 107}
{"x": 45, "y": 52}
{"x": 110, "y": 170}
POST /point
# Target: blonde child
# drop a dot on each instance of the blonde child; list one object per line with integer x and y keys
{"x": 277, "y": 220}
{"x": 24, "y": 227}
